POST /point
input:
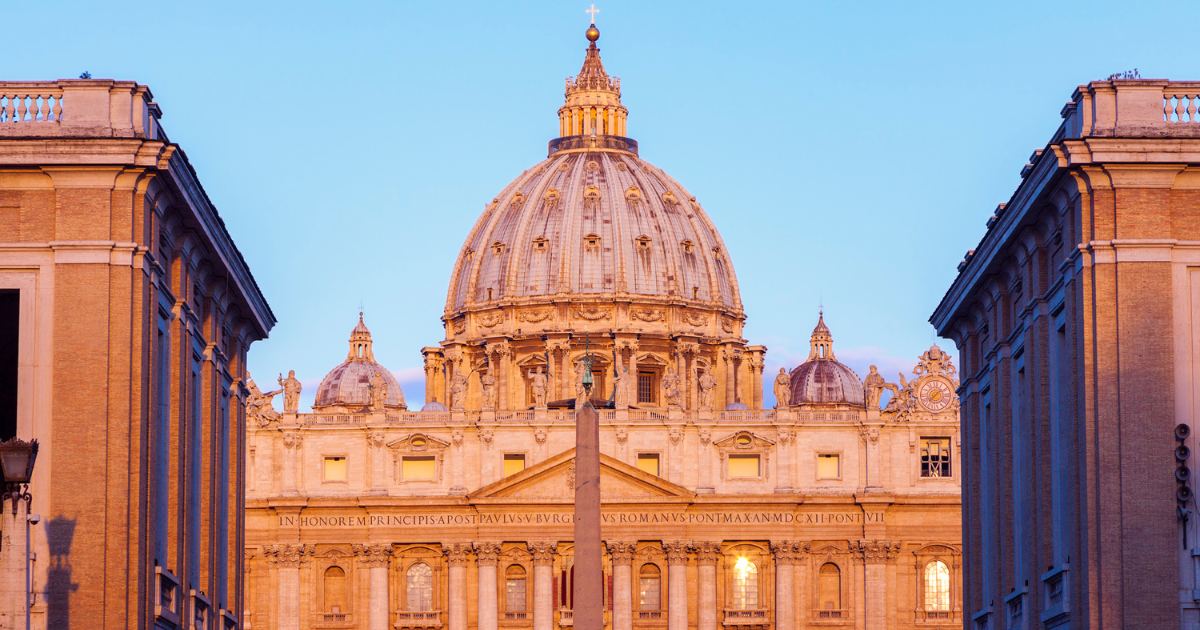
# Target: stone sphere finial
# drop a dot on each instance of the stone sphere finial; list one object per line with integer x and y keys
{"x": 593, "y": 33}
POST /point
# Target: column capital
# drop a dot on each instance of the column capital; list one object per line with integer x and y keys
{"x": 622, "y": 552}
{"x": 487, "y": 552}
{"x": 707, "y": 552}
{"x": 677, "y": 551}
{"x": 289, "y": 556}
{"x": 373, "y": 555}
{"x": 789, "y": 551}
{"x": 292, "y": 439}
{"x": 375, "y": 438}
{"x": 543, "y": 551}
{"x": 458, "y": 554}
{"x": 875, "y": 551}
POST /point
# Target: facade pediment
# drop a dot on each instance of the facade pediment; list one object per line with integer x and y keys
{"x": 743, "y": 440}
{"x": 554, "y": 480}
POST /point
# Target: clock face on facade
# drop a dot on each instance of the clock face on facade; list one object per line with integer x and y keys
{"x": 935, "y": 395}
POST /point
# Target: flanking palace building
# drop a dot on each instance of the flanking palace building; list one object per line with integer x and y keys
{"x": 837, "y": 508}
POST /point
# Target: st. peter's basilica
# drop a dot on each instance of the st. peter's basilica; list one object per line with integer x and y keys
{"x": 831, "y": 509}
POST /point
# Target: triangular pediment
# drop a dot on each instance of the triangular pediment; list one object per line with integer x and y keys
{"x": 554, "y": 480}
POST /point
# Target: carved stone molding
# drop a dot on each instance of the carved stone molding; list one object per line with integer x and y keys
{"x": 708, "y": 552}
{"x": 288, "y": 556}
{"x": 869, "y": 434}
{"x": 877, "y": 550}
{"x": 458, "y": 554}
{"x": 677, "y": 551}
{"x": 622, "y": 552}
{"x": 705, "y": 436}
{"x": 292, "y": 439}
{"x": 375, "y": 439}
{"x": 647, "y": 314}
{"x": 373, "y": 555}
{"x": 543, "y": 552}
{"x": 534, "y": 316}
{"x": 456, "y": 437}
{"x": 622, "y": 435}
{"x": 485, "y": 436}
{"x": 539, "y": 435}
{"x": 592, "y": 313}
{"x": 487, "y": 552}
{"x": 675, "y": 434}
{"x": 786, "y": 435}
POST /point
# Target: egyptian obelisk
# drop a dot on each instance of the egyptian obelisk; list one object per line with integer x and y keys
{"x": 588, "y": 589}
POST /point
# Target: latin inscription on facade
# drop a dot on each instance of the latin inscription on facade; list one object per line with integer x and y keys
{"x": 564, "y": 518}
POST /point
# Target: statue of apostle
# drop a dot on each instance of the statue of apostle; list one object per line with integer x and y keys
{"x": 707, "y": 383}
{"x": 291, "y": 392}
{"x": 379, "y": 390}
{"x": 783, "y": 390}
{"x": 488, "y": 383}
{"x": 458, "y": 391}
{"x": 671, "y": 389}
{"x": 258, "y": 404}
{"x": 873, "y": 387}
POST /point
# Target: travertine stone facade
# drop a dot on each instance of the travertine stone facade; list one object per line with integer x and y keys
{"x": 136, "y": 312}
{"x": 1076, "y": 321}
{"x": 835, "y": 511}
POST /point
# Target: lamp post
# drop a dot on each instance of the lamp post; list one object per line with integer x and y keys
{"x": 16, "y": 465}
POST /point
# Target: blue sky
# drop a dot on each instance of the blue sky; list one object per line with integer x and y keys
{"x": 849, "y": 152}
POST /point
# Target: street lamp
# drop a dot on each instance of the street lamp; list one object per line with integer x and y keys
{"x": 16, "y": 465}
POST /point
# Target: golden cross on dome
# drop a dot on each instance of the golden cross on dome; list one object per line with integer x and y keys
{"x": 592, "y": 10}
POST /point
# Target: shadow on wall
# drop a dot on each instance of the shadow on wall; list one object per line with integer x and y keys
{"x": 59, "y": 533}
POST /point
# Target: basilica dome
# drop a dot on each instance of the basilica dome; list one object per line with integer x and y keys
{"x": 351, "y": 384}
{"x": 593, "y": 220}
{"x": 822, "y": 379}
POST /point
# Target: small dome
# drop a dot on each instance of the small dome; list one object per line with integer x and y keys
{"x": 822, "y": 379}
{"x": 351, "y": 383}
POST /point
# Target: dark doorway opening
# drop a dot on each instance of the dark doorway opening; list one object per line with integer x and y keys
{"x": 10, "y": 336}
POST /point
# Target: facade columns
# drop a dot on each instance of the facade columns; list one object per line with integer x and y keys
{"x": 708, "y": 554}
{"x": 622, "y": 571}
{"x": 870, "y": 436}
{"x": 376, "y": 558}
{"x": 875, "y": 555}
{"x": 786, "y": 555}
{"x": 287, "y": 559}
{"x": 458, "y": 555}
{"x": 376, "y": 462}
{"x": 486, "y": 555}
{"x": 677, "y": 591}
{"x": 784, "y": 476}
{"x": 705, "y": 460}
{"x": 543, "y": 584}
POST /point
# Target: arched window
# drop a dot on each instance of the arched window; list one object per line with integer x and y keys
{"x": 745, "y": 584}
{"x": 335, "y": 590}
{"x": 419, "y": 588}
{"x": 650, "y": 587}
{"x": 937, "y": 587}
{"x": 829, "y": 587}
{"x": 514, "y": 589}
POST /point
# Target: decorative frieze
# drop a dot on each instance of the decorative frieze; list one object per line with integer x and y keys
{"x": 707, "y": 552}
{"x": 458, "y": 554}
{"x": 373, "y": 555}
{"x": 789, "y": 551}
{"x": 543, "y": 552}
{"x": 622, "y": 552}
{"x": 877, "y": 550}
{"x": 677, "y": 551}
{"x": 487, "y": 552}
{"x": 288, "y": 555}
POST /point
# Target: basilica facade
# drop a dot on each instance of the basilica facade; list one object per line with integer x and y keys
{"x": 838, "y": 506}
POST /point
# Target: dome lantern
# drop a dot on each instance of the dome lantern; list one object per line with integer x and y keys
{"x": 360, "y": 342}
{"x": 820, "y": 344}
{"x": 592, "y": 114}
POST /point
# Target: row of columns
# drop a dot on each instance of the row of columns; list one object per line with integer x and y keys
{"x": 288, "y": 559}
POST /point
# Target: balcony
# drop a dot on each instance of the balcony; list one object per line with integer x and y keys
{"x": 333, "y": 619}
{"x": 418, "y": 619}
{"x": 516, "y": 616}
{"x": 831, "y": 616}
{"x": 649, "y": 615}
{"x": 745, "y": 617}
{"x": 566, "y": 617}
{"x": 166, "y": 597}
{"x": 938, "y": 617}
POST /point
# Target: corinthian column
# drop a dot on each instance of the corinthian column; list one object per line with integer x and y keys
{"x": 677, "y": 591}
{"x": 870, "y": 436}
{"x": 459, "y": 556}
{"x": 622, "y": 571}
{"x": 486, "y": 555}
{"x": 376, "y": 559}
{"x": 287, "y": 560}
{"x": 876, "y": 554}
{"x": 707, "y": 556}
{"x": 785, "y": 559}
{"x": 543, "y": 584}
{"x": 376, "y": 464}
{"x": 783, "y": 477}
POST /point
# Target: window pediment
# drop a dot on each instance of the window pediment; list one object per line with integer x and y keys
{"x": 743, "y": 441}
{"x": 418, "y": 443}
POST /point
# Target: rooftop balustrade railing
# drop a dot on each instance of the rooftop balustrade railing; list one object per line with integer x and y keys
{"x": 78, "y": 108}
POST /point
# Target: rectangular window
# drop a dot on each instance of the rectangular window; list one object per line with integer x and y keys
{"x": 333, "y": 469}
{"x": 647, "y": 388}
{"x": 418, "y": 468}
{"x": 829, "y": 466}
{"x": 935, "y": 457}
{"x": 648, "y": 462}
{"x": 513, "y": 463}
{"x": 744, "y": 466}
{"x": 10, "y": 337}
